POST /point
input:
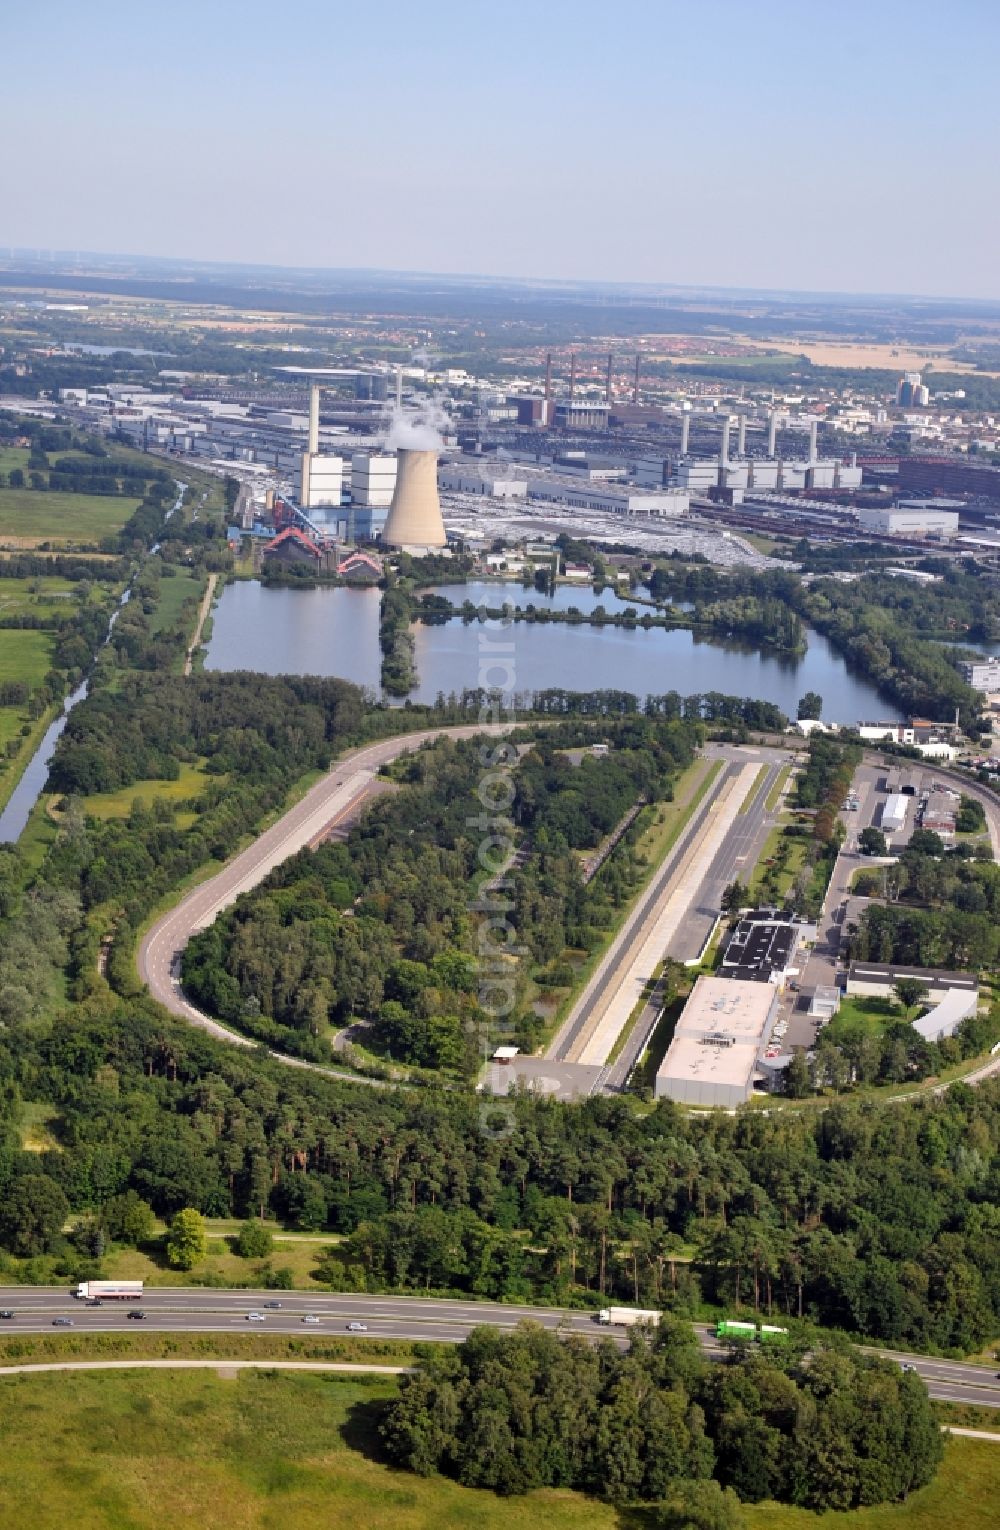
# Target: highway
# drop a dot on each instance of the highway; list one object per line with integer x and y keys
{"x": 196, "y": 1310}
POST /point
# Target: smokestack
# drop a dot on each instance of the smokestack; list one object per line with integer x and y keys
{"x": 635, "y": 388}
{"x": 314, "y": 419}
{"x": 741, "y": 437}
{"x": 414, "y": 518}
{"x": 772, "y": 433}
{"x": 854, "y": 459}
{"x": 607, "y": 390}
{"x": 548, "y": 376}
{"x": 813, "y": 429}
{"x": 724, "y": 446}
{"x": 572, "y": 376}
{"x": 685, "y": 433}
{"x": 399, "y": 387}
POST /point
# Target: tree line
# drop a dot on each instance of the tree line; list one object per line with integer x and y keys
{"x": 833, "y": 1429}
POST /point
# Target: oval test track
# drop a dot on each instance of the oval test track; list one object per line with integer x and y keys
{"x": 336, "y": 799}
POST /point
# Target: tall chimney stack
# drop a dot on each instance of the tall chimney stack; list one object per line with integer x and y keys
{"x": 685, "y": 433}
{"x": 724, "y": 445}
{"x": 772, "y": 433}
{"x": 741, "y": 437}
{"x": 414, "y": 518}
{"x": 813, "y": 431}
{"x": 547, "y": 410}
{"x": 607, "y": 388}
{"x": 314, "y": 419}
{"x": 399, "y": 387}
{"x": 635, "y": 386}
{"x": 572, "y": 376}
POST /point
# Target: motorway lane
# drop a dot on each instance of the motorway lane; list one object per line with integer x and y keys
{"x": 198, "y": 1310}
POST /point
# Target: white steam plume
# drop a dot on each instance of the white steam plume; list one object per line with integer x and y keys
{"x": 417, "y": 430}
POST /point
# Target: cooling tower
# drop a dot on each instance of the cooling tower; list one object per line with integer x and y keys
{"x": 414, "y": 518}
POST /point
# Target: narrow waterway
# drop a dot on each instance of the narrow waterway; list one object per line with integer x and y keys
{"x": 14, "y": 818}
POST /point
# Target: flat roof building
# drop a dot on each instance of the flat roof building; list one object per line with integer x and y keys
{"x": 877, "y": 979}
{"x": 909, "y": 522}
{"x": 894, "y": 813}
{"x": 761, "y": 946}
{"x": 983, "y": 675}
{"x": 719, "y": 1036}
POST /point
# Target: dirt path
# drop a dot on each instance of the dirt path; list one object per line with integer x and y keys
{"x": 203, "y": 610}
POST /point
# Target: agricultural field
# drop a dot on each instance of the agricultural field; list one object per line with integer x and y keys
{"x": 29, "y": 516}
{"x": 45, "y": 594}
{"x": 259, "y": 1449}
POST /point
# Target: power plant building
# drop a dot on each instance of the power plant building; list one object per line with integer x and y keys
{"x": 373, "y": 478}
{"x": 322, "y": 481}
{"x": 414, "y": 519}
{"x": 720, "y": 1035}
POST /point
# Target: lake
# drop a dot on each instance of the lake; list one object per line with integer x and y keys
{"x": 331, "y": 631}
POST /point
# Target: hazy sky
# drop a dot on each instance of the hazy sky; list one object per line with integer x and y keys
{"x": 850, "y": 146}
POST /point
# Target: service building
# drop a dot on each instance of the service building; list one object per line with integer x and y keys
{"x": 721, "y": 1032}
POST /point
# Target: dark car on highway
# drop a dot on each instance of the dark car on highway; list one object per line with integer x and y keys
{"x": 136, "y": 1317}
{"x": 5, "y": 1312}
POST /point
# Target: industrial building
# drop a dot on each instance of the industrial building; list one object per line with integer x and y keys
{"x": 612, "y": 498}
{"x": 877, "y": 980}
{"x": 721, "y": 1032}
{"x": 373, "y": 479}
{"x": 982, "y": 675}
{"x": 414, "y": 519}
{"x": 909, "y": 521}
{"x": 894, "y": 813}
{"x": 761, "y": 947}
{"x": 700, "y": 474}
{"x": 458, "y": 479}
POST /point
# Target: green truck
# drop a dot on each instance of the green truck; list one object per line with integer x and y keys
{"x": 750, "y": 1333}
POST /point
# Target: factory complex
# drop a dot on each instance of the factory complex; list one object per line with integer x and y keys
{"x": 320, "y": 439}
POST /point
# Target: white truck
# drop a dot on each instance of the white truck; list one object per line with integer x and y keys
{"x": 109, "y": 1290}
{"x": 624, "y": 1317}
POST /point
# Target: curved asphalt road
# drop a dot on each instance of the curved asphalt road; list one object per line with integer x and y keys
{"x": 337, "y": 799}
{"x": 196, "y": 1310}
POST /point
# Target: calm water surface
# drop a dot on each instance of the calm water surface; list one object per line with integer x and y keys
{"x": 335, "y": 632}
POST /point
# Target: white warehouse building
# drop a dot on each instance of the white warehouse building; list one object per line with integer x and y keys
{"x": 909, "y": 521}
{"x": 720, "y": 1035}
{"x": 471, "y": 480}
{"x": 608, "y": 497}
{"x": 894, "y": 813}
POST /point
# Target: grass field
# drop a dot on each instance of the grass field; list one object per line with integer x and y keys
{"x": 44, "y": 594}
{"x": 296, "y": 1255}
{"x": 141, "y": 1449}
{"x": 189, "y": 783}
{"x": 184, "y": 585}
{"x": 38, "y": 516}
{"x": 863, "y": 1014}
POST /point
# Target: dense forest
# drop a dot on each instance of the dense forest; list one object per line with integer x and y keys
{"x": 881, "y": 1221}
{"x": 380, "y": 929}
{"x": 515, "y": 1412}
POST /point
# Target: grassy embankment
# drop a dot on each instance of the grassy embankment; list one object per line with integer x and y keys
{"x": 258, "y": 1449}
